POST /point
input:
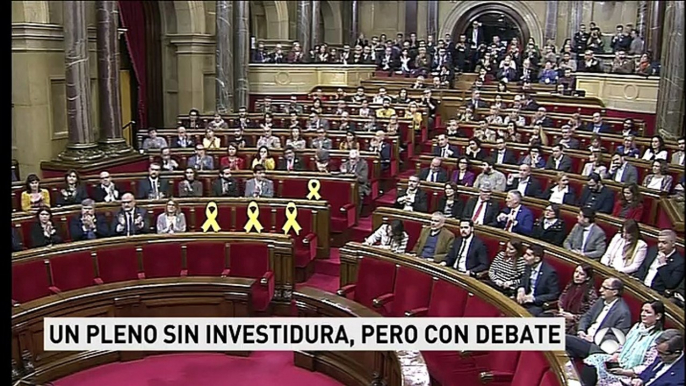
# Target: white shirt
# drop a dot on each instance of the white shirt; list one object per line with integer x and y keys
{"x": 618, "y": 174}
{"x": 655, "y": 183}
{"x": 461, "y": 261}
{"x": 648, "y": 155}
{"x": 501, "y": 156}
{"x": 652, "y": 271}
{"x": 410, "y": 200}
{"x": 522, "y": 186}
{"x": 587, "y": 232}
{"x": 614, "y": 255}
{"x": 663, "y": 369}
{"x": 112, "y": 192}
{"x": 557, "y": 195}
{"x": 593, "y": 328}
{"x": 534, "y": 277}
{"x": 480, "y": 219}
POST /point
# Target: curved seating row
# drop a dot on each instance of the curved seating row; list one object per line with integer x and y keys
{"x": 400, "y": 285}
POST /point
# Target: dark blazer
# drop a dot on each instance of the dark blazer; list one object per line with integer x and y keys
{"x": 618, "y": 317}
{"x": 524, "y": 219}
{"x": 533, "y": 188}
{"x": 99, "y": 193}
{"x": 604, "y": 201}
{"x": 421, "y": 201}
{"x": 437, "y": 151}
{"x": 477, "y": 256}
{"x": 134, "y": 231}
{"x": 673, "y": 377}
{"x": 17, "y": 244}
{"x": 604, "y": 127}
{"x": 232, "y": 189}
{"x": 509, "y": 158}
{"x": 668, "y": 276}
{"x": 75, "y": 199}
{"x": 457, "y": 209}
{"x": 442, "y": 175}
{"x": 176, "y": 145}
{"x": 555, "y": 234}
{"x": 565, "y": 164}
{"x": 569, "y": 198}
{"x": 545, "y": 122}
{"x": 547, "y": 284}
{"x": 467, "y": 179}
{"x": 102, "y": 229}
{"x": 38, "y": 238}
{"x": 491, "y": 215}
{"x": 297, "y": 164}
{"x": 145, "y": 188}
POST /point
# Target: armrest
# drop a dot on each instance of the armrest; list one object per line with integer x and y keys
{"x": 311, "y": 241}
{"x": 551, "y": 305}
{"x": 468, "y": 354}
{"x": 382, "y": 300}
{"x": 421, "y": 311}
{"x": 98, "y": 280}
{"x": 351, "y": 213}
{"x": 226, "y": 272}
{"x": 309, "y": 237}
{"x": 264, "y": 281}
{"x": 184, "y": 272}
{"x": 54, "y": 289}
{"x": 343, "y": 291}
{"x": 495, "y": 376}
{"x": 141, "y": 275}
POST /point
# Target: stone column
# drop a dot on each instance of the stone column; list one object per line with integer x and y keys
{"x": 432, "y": 19}
{"x": 576, "y": 11}
{"x": 355, "y": 21}
{"x": 304, "y": 27}
{"x": 316, "y": 20}
{"x": 653, "y": 37}
{"x": 670, "y": 97}
{"x": 109, "y": 98}
{"x": 550, "y": 31}
{"x": 241, "y": 52}
{"x": 81, "y": 146}
{"x": 641, "y": 18}
{"x": 224, "y": 57}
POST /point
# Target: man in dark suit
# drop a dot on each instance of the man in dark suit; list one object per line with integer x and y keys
{"x": 130, "y": 220}
{"x": 475, "y": 37}
{"x": 476, "y": 101}
{"x": 412, "y": 199}
{"x": 608, "y": 312}
{"x": 558, "y": 160}
{"x": 435, "y": 240}
{"x": 663, "y": 267}
{"x": 434, "y": 173}
{"x": 668, "y": 368}
{"x": 529, "y": 104}
{"x": 539, "y": 282}
{"x": 482, "y": 209}
{"x": 444, "y": 149}
{"x": 515, "y": 217}
{"x": 596, "y": 195}
{"x": 598, "y": 126}
{"x": 501, "y": 154}
{"x": 182, "y": 140}
{"x": 541, "y": 118}
{"x": 225, "y": 185}
{"x": 106, "y": 190}
{"x": 154, "y": 187}
{"x": 88, "y": 225}
{"x": 17, "y": 244}
{"x": 525, "y": 184}
{"x": 468, "y": 253}
{"x": 290, "y": 162}
{"x": 621, "y": 170}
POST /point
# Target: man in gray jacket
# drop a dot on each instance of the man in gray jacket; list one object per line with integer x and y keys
{"x": 586, "y": 238}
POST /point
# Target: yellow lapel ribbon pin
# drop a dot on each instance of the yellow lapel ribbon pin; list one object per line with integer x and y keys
{"x": 253, "y": 218}
{"x": 211, "y": 213}
{"x": 313, "y": 186}
{"x": 291, "y": 222}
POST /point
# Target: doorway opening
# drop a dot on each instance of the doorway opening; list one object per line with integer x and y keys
{"x": 496, "y": 20}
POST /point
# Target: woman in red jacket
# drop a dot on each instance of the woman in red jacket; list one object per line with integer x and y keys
{"x": 630, "y": 203}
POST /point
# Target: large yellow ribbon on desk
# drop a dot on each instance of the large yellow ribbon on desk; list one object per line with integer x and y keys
{"x": 211, "y": 214}
{"x": 291, "y": 222}
{"x": 313, "y": 186}
{"x": 253, "y": 218}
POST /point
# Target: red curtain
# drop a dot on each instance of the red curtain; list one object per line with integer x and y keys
{"x": 133, "y": 19}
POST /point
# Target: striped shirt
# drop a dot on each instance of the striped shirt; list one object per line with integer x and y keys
{"x": 503, "y": 270}
{"x": 381, "y": 236}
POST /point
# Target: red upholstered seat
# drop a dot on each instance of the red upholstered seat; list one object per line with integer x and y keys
{"x": 412, "y": 291}
{"x": 162, "y": 260}
{"x": 118, "y": 264}
{"x": 252, "y": 261}
{"x": 206, "y": 259}
{"x": 550, "y": 379}
{"x": 413, "y": 229}
{"x": 476, "y": 307}
{"x": 72, "y": 271}
{"x": 530, "y": 369}
{"x": 634, "y": 305}
{"x": 305, "y": 243}
{"x": 374, "y": 278}
{"x": 30, "y": 281}
{"x": 565, "y": 270}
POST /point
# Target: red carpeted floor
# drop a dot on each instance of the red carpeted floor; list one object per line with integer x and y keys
{"x": 201, "y": 369}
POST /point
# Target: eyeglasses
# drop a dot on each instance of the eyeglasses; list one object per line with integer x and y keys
{"x": 607, "y": 288}
{"x": 126, "y": 202}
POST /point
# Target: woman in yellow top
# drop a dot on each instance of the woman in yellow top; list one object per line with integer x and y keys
{"x": 350, "y": 142}
{"x": 412, "y": 112}
{"x": 263, "y": 158}
{"x": 210, "y": 142}
{"x": 34, "y": 197}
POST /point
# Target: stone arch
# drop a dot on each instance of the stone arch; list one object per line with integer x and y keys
{"x": 31, "y": 12}
{"x": 190, "y": 17}
{"x": 282, "y": 17}
{"x": 522, "y": 9}
{"x": 332, "y": 21}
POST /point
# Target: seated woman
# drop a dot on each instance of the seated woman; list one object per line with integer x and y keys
{"x": 390, "y": 236}
{"x": 232, "y": 160}
{"x": 414, "y": 113}
{"x": 393, "y": 127}
{"x": 596, "y": 145}
{"x": 450, "y": 204}
{"x": 575, "y": 122}
{"x": 550, "y": 227}
{"x": 627, "y": 250}
{"x": 483, "y": 133}
{"x": 629, "y": 149}
{"x": 295, "y": 140}
{"x": 210, "y": 142}
{"x": 656, "y": 150}
{"x": 594, "y": 164}
{"x": 172, "y": 220}
{"x": 659, "y": 179}
{"x": 263, "y": 158}
{"x": 629, "y": 204}
{"x": 34, "y": 196}
{"x": 190, "y": 186}
{"x": 577, "y": 298}
{"x": 462, "y": 175}
{"x": 350, "y": 142}
{"x": 473, "y": 151}
{"x": 534, "y": 158}
{"x": 402, "y": 98}
{"x": 468, "y": 115}
{"x": 43, "y": 232}
{"x": 633, "y": 357}
{"x": 317, "y": 106}
{"x": 507, "y": 268}
{"x": 74, "y": 192}
{"x": 561, "y": 192}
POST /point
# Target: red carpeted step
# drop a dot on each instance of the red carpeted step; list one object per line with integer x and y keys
{"x": 388, "y": 198}
{"x": 330, "y": 266}
{"x": 362, "y": 230}
{"x": 323, "y": 282}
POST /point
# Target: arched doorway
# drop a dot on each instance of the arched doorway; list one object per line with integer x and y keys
{"x": 496, "y": 19}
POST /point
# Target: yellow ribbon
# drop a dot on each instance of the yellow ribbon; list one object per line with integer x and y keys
{"x": 211, "y": 214}
{"x": 291, "y": 222}
{"x": 313, "y": 186}
{"x": 253, "y": 221}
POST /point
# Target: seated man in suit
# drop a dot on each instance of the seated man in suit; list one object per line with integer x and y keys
{"x": 608, "y": 312}
{"x": 182, "y": 140}
{"x": 106, "y": 191}
{"x": 495, "y": 179}
{"x": 567, "y": 140}
{"x": 482, "y": 209}
{"x": 586, "y": 238}
{"x": 515, "y": 217}
{"x": 259, "y": 186}
{"x": 525, "y": 184}
{"x": 89, "y": 225}
{"x": 412, "y": 199}
{"x": 358, "y": 167}
{"x": 468, "y": 253}
{"x": 444, "y": 149}
{"x": 434, "y": 241}
{"x": 539, "y": 282}
{"x": 668, "y": 368}
{"x": 558, "y": 160}
{"x": 434, "y": 173}
{"x": 663, "y": 267}
{"x": 598, "y": 126}
{"x": 501, "y": 154}
{"x": 621, "y": 170}
{"x": 290, "y": 162}
{"x": 201, "y": 161}
{"x": 225, "y": 185}
{"x": 130, "y": 220}
{"x": 379, "y": 146}
{"x": 595, "y": 195}
{"x": 154, "y": 187}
